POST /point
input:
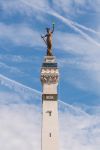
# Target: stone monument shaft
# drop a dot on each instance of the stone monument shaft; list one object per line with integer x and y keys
{"x": 49, "y": 79}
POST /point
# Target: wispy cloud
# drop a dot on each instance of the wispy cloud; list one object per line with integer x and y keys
{"x": 74, "y": 25}
{"x": 84, "y": 57}
{"x": 25, "y": 92}
{"x": 20, "y": 124}
{"x": 69, "y": 23}
{"x": 14, "y": 58}
{"x": 82, "y": 131}
{"x": 19, "y": 34}
{"x": 44, "y": 7}
{"x": 76, "y": 6}
{"x": 17, "y": 123}
{"x": 20, "y": 127}
{"x": 10, "y": 69}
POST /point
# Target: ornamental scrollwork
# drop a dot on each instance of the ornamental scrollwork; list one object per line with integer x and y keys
{"x": 49, "y": 78}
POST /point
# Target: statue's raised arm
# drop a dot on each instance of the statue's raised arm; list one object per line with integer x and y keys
{"x": 53, "y": 27}
{"x": 48, "y": 40}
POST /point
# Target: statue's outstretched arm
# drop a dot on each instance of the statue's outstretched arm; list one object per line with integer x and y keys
{"x": 43, "y": 37}
{"x": 53, "y": 26}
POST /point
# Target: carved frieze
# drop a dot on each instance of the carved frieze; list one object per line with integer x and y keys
{"x": 49, "y": 78}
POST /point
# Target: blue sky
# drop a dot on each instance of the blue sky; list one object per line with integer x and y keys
{"x": 76, "y": 45}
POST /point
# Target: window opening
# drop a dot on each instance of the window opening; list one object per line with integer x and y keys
{"x": 49, "y": 112}
{"x": 50, "y": 134}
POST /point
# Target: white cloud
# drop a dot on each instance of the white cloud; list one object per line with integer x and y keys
{"x": 15, "y": 58}
{"x": 44, "y": 7}
{"x": 81, "y": 2}
{"x": 17, "y": 123}
{"x": 72, "y": 7}
{"x": 10, "y": 97}
{"x": 20, "y": 124}
{"x": 65, "y": 6}
{"x": 20, "y": 128}
{"x": 93, "y": 5}
{"x": 75, "y": 44}
{"x": 10, "y": 69}
{"x": 25, "y": 92}
{"x": 74, "y": 25}
{"x": 85, "y": 58}
{"x": 23, "y": 35}
{"x": 20, "y": 34}
{"x": 11, "y": 7}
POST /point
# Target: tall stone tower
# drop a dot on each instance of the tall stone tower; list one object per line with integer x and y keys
{"x": 49, "y": 79}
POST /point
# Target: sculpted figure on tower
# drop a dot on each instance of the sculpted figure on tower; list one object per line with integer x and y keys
{"x": 48, "y": 40}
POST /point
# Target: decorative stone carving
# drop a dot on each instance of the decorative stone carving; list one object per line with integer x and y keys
{"x": 49, "y": 78}
{"x": 49, "y": 71}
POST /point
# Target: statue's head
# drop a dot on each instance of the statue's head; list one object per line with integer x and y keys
{"x": 48, "y": 30}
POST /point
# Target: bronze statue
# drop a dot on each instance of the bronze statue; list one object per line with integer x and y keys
{"x": 48, "y": 40}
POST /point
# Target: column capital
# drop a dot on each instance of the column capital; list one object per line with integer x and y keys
{"x": 49, "y": 71}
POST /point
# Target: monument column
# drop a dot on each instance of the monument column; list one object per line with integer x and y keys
{"x": 49, "y": 79}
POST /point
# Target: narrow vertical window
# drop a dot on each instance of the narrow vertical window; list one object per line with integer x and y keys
{"x": 50, "y": 134}
{"x": 49, "y": 112}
